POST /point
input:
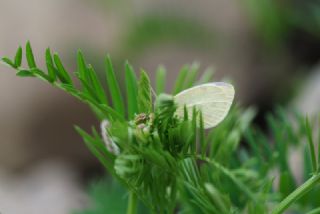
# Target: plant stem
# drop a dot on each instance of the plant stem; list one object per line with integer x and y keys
{"x": 132, "y": 203}
{"x": 296, "y": 194}
{"x": 315, "y": 211}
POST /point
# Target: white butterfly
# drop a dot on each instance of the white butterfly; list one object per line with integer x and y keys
{"x": 213, "y": 99}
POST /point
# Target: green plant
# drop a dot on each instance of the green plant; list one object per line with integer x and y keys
{"x": 172, "y": 164}
{"x": 275, "y": 21}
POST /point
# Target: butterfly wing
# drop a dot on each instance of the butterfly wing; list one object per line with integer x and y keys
{"x": 213, "y": 99}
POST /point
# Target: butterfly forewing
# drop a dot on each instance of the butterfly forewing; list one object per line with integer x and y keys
{"x": 213, "y": 99}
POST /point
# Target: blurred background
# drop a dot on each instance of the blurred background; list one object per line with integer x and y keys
{"x": 270, "y": 50}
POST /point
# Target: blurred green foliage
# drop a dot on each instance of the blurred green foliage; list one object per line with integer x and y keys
{"x": 106, "y": 196}
{"x": 276, "y": 20}
{"x": 152, "y": 30}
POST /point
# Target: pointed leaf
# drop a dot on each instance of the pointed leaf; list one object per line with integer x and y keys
{"x": 52, "y": 72}
{"x": 98, "y": 149}
{"x": 160, "y": 80}
{"x": 206, "y": 76}
{"x": 132, "y": 90}
{"x": 113, "y": 85}
{"x": 62, "y": 73}
{"x": 30, "y": 56}
{"x": 82, "y": 66}
{"x": 319, "y": 143}
{"x": 89, "y": 90}
{"x": 202, "y": 135}
{"x": 311, "y": 146}
{"x": 9, "y": 62}
{"x": 192, "y": 75}
{"x": 96, "y": 85}
{"x": 25, "y": 73}
{"x": 286, "y": 184}
{"x": 178, "y": 86}
{"x": 18, "y": 57}
{"x": 144, "y": 94}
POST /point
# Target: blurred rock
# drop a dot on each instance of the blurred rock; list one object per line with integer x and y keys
{"x": 49, "y": 187}
{"x": 308, "y": 100}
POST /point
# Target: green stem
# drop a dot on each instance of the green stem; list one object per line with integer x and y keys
{"x": 295, "y": 195}
{"x": 132, "y": 203}
{"x": 315, "y": 211}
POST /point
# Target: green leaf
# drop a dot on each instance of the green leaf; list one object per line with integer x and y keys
{"x": 229, "y": 174}
{"x": 109, "y": 112}
{"x": 202, "y": 140}
{"x": 40, "y": 74}
{"x": 96, "y": 85}
{"x": 192, "y": 75}
{"x": 18, "y": 57}
{"x": 185, "y": 113}
{"x": 178, "y": 86}
{"x": 70, "y": 89}
{"x": 144, "y": 94}
{"x": 286, "y": 184}
{"x": 52, "y": 71}
{"x": 83, "y": 73}
{"x": 280, "y": 146}
{"x": 194, "y": 126}
{"x": 253, "y": 145}
{"x": 160, "y": 80}
{"x": 216, "y": 197}
{"x": 82, "y": 66}
{"x": 9, "y": 62}
{"x": 106, "y": 195}
{"x": 97, "y": 147}
{"x": 206, "y": 76}
{"x": 90, "y": 81}
{"x": 89, "y": 90}
{"x": 132, "y": 90}
{"x": 117, "y": 99}
{"x": 319, "y": 143}
{"x": 62, "y": 73}
{"x": 314, "y": 211}
{"x": 307, "y": 165}
{"x": 25, "y": 73}
{"x": 311, "y": 146}
{"x": 30, "y": 56}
